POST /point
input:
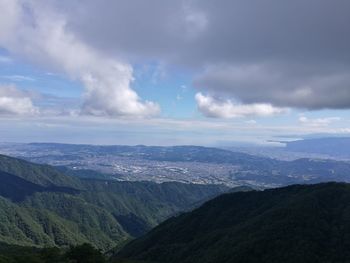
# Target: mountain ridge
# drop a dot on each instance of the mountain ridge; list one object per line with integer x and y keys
{"x": 306, "y": 223}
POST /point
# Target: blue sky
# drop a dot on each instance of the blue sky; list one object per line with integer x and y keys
{"x": 193, "y": 73}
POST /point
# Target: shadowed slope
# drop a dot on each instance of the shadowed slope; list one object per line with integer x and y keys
{"x": 291, "y": 224}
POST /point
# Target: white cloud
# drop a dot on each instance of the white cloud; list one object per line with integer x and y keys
{"x": 16, "y": 102}
{"x": 41, "y": 35}
{"x": 252, "y": 122}
{"x": 18, "y": 78}
{"x": 318, "y": 122}
{"x": 4, "y": 59}
{"x": 183, "y": 88}
{"x": 155, "y": 131}
{"x": 215, "y": 108}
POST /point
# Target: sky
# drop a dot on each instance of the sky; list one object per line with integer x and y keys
{"x": 165, "y": 72}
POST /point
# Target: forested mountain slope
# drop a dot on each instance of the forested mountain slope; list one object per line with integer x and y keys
{"x": 44, "y": 207}
{"x": 300, "y": 223}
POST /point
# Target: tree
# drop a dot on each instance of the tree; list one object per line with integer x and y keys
{"x": 85, "y": 253}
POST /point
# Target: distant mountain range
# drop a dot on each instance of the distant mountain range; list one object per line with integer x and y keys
{"x": 293, "y": 224}
{"x": 333, "y": 146}
{"x": 188, "y": 164}
{"x": 41, "y": 206}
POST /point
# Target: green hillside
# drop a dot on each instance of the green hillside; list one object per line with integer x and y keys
{"x": 44, "y": 175}
{"x": 292, "y": 224}
{"x": 41, "y": 206}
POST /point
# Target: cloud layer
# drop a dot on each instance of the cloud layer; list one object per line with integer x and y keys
{"x": 263, "y": 55}
{"x": 318, "y": 122}
{"x": 283, "y": 53}
{"x": 37, "y": 31}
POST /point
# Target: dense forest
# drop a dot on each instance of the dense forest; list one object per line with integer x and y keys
{"x": 84, "y": 253}
{"x": 293, "y": 224}
{"x": 40, "y": 206}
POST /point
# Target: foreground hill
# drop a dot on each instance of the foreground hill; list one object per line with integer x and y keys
{"x": 293, "y": 224}
{"x": 41, "y": 206}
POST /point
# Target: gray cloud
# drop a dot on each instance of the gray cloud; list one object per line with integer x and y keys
{"x": 287, "y": 53}
{"x": 293, "y": 85}
{"x": 283, "y": 53}
{"x": 205, "y": 31}
{"x": 156, "y": 29}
